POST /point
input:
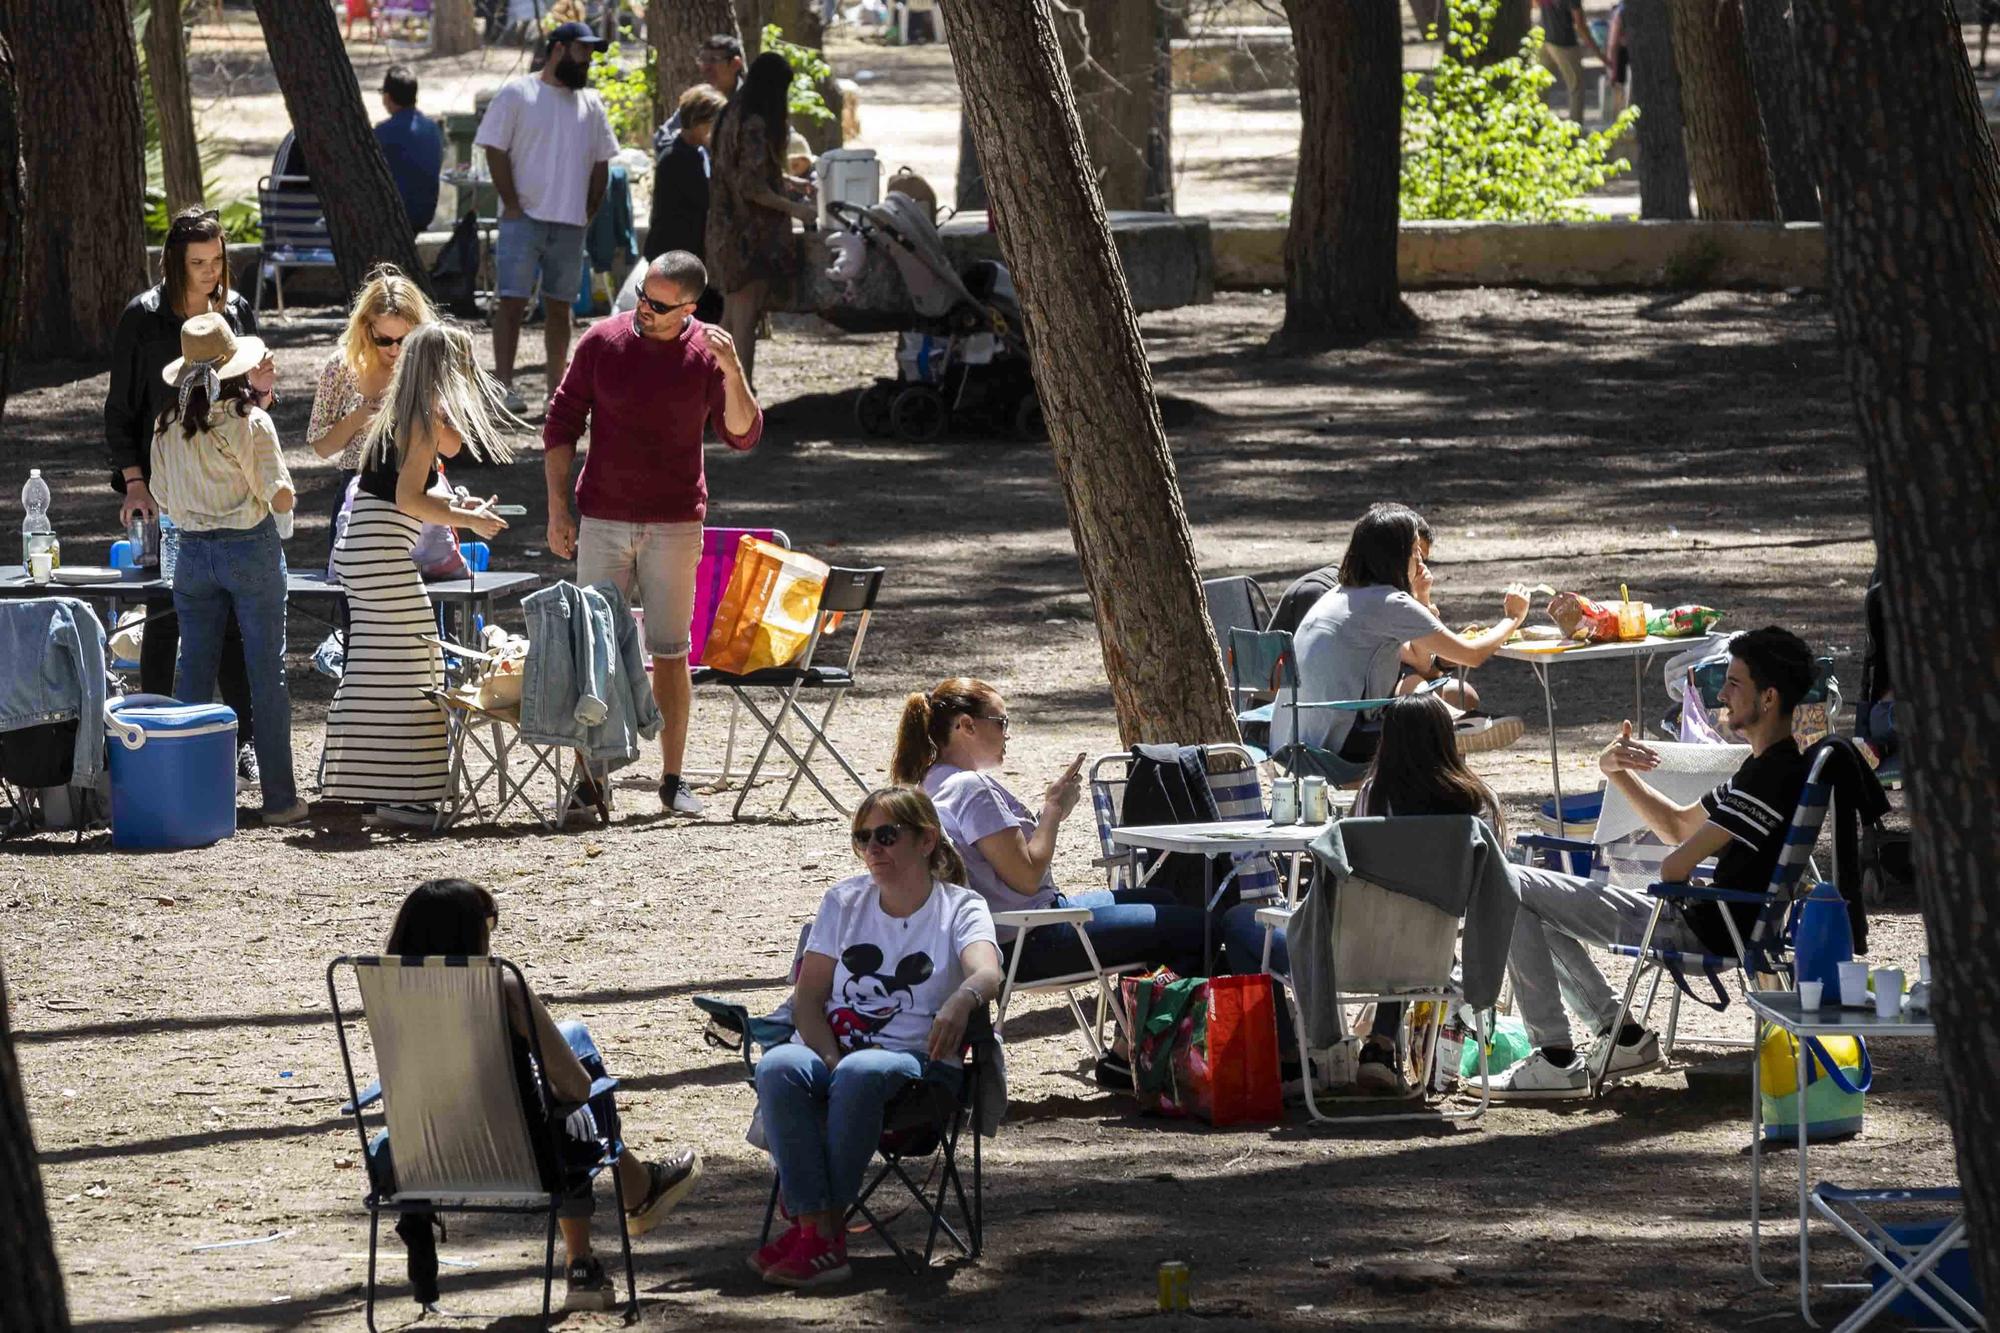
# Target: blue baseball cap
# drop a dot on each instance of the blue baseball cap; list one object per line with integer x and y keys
{"x": 576, "y": 32}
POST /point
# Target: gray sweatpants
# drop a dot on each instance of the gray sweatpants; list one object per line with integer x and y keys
{"x": 1549, "y": 963}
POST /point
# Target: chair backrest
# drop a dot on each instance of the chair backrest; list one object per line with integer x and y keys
{"x": 848, "y": 592}
{"x": 478, "y": 556}
{"x": 1262, "y": 661}
{"x": 711, "y": 579}
{"x": 1235, "y": 603}
{"x": 291, "y": 215}
{"x": 1787, "y": 878}
{"x": 445, "y": 1057}
{"x": 1628, "y": 852}
{"x": 1238, "y": 790}
{"x": 1386, "y": 941}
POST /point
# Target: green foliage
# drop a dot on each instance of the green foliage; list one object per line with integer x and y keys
{"x": 1483, "y": 144}
{"x": 627, "y": 94}
{"x": 809, "y": 70}
{"x": 239, "y": 217}
{"x": 241, "y": 222}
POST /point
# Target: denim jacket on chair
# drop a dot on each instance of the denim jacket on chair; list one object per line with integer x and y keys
{"x": 585, "y": 685}
{"x": 52, "y": 670}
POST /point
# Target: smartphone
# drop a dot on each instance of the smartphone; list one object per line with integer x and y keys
{"x": 1075, "y": 765}
{"x": 510, "y": 511}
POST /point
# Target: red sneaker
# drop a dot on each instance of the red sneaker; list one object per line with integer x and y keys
{"x": 813, "y": 1261}
{"x": 770, "y": 1254}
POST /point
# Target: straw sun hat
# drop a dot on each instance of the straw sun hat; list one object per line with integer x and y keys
{"x": 207, "y": 340}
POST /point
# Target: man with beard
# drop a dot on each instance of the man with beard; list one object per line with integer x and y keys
{"x": 548, "y": 147}
{"x": 1742, "y": 824}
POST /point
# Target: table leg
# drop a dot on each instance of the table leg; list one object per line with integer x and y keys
{"x": 1207, "y": 914}
{"x": 1805, "y": 1197}
{"x": 1555, "y": 755}
{"x": 1756, "y": 1156}
{"x": 1639, "y": 694}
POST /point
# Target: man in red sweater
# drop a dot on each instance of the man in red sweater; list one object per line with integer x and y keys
{"x": 647, "y": 385}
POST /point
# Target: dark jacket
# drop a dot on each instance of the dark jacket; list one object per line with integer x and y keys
{"x": 1301, "y": 596}
{"x": 1168, "y": 784}
{"x": 148, "y": 337}
{"x": 1858, "y": 799}
{"x": 680, "y": 201}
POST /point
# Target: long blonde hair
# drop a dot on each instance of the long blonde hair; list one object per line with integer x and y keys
{"x": 387, "y": 293}
{"x": 438, "y": 377}
{"x": 911, "y": 808}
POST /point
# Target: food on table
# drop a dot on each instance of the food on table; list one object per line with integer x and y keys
{"x": 1683, "y": 621}
{"x": 1580, "y": 618}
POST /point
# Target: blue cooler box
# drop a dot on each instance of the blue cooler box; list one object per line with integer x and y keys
{"x": 173, "y": 772}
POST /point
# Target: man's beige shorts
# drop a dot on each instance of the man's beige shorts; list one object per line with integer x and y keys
{"x": 660, "y": 559}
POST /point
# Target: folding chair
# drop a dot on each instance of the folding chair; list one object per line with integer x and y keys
{"x": 1909, "y": 1257}
{"x": 450, "y": 1084}
{"x": 1266, "y": 660}
{"x": 922, "y": 1121}
{"x": 1235, "y": 603}
{"x": 848, "y": 591}
{"x": 484, "y": 740}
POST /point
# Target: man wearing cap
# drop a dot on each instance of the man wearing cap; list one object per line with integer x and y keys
{"x": 548, "y": 148}
{"x": 412, "y": 145}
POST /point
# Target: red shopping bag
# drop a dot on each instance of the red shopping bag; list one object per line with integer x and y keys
{"x": 1205, "y": 1047}
{"x": 1243, "y": 1052}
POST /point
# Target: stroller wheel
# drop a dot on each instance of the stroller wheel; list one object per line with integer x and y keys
{"x": 872, "y": 410}
{"x": 1027, "y": 422}
{"x": 919, "y": 414}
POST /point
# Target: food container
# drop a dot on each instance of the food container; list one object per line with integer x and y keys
{"x": 1632, "y": 621}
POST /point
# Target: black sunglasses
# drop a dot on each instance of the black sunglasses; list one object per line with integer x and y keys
{"x": 882, "y": 835}
{"x": 1001, "y": 718}
{"x": 662, "y": 307}
{"x": 380, "y": 341}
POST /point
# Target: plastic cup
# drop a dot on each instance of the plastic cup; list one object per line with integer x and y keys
{"x": 1631, "y": 621}
{"x": 41, "y": 567}
{"x": 1809, "y": 995}
{"x": 1854, "y": 985}
{"x": 1888, "y": 992}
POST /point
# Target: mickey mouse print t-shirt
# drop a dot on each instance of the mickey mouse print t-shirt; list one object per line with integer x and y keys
{"x": 891, "y": 975}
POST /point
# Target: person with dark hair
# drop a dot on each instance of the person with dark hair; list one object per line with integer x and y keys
{"x": 750, "y": 243}
{"x": 194, "y": 280}
{"x": 1353, "y": 642}
{"x": 680, "y": 188}
{"x": 455, "y": 918}
{"x": 1417, "y": 770}
{"x": 1742, "y": 824}
{"x": 898, "y": 960}
{"x": 412, "y": 145}
{"x": 648, "y": 386}
{"x": 222, "y": 479}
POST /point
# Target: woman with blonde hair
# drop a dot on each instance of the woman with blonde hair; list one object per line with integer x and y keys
{"x": 898, "y": 959}
{"x": 385, "y": 741}
{"x": 354, "y": 382}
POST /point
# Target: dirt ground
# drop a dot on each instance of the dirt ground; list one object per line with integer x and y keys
{"x": 173, "y": 1019}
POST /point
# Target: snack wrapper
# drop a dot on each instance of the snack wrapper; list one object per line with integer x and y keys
{"x": 1683, "y": 621}
{"x": 1580, "y": 618}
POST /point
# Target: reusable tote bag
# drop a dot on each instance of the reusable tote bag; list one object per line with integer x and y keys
{"x": 1838, "y": 1076}
{"x": 1206, "y": 1047}
{"x": 766, "y": 614}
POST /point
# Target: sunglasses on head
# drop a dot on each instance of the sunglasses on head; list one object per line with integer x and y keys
{"x": 882, "y": 835}
{"x": 662, "y": 307}
{"x": 382, "y": 342}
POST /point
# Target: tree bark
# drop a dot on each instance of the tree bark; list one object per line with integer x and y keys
{"x": 676, "y": 29}
{"x": 1725, "y": 134}
{"x": 1656, "y": 91}
{"x": 1114, "y": 53}
{"x": 1774, "y": 72}
{"x": 364, "y": 215}
{"x": 13, "y": 218}
{"x": 31, "y": 1285}
{"x": 83, "y": 149}
{"x": 454, "y": 28}
{"x": 1911, "y": 192}
{"x": 1341, "y": 283}
{"x": 1111, "y": 454}
{"x": 167, "y": 71}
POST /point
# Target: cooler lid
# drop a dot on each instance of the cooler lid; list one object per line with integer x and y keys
{"x": 156, "y": 715}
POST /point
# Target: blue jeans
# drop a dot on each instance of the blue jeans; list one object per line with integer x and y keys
{"x": 823, "y": 1124}
{"x": 1126, "y": 926}
{"x": 1243, "y": 954}
{"x": 241, "y": 573}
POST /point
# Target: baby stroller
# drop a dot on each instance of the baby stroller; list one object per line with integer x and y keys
{"x": 965, "y": 356}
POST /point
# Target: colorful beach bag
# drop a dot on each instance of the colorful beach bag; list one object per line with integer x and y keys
{"x": 1206, "y": 1046}
{"x": 1838, "y": 1076}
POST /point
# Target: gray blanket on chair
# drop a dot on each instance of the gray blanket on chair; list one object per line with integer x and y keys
{"x": 1453, "y": 862}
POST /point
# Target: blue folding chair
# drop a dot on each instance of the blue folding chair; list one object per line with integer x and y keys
{"x": 1264, "y": 661}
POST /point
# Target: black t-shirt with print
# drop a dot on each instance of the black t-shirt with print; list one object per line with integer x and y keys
{"x": 1755, "y": 809}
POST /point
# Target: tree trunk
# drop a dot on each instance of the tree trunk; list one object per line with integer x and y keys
{"x": 13, "y": 218}
{"x": 1913, "y": 255}
{"x": 676, "y": 29}
{"x": 1341, "y": 284}
{"x": 31, "y": 1285}
{"x": 167, "y": 71}
{"x": 1111, "y": 454}
{"x": 365, "y": 216}
{"x": 84, "y": 254}
{"x": 1725, "y": 138}
{"x": 1774, "y": 72}
{"x": 971, "y": 192}
{"x": 1113, "y": 49}
{"x": 454, "y": 28}
{"x": 1656, "y": 91}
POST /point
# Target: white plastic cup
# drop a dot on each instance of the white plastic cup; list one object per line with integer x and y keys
{"x": 1924, "y": 968}
{"x": 41, "y": 567}
{"x": 1888, "y": 992}
{"x": 1809, "y": 992}
{"x": 1854, "y": 985}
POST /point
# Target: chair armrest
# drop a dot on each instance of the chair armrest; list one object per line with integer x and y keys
{"x": 1548, "y": 842}
{"x": 1704, "y": 893}
{"x": 1274, "y": 918}
{"x": 369, "y": 1096}
{"x": 1027, "y": 918}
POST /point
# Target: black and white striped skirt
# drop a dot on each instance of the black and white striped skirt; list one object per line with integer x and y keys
{"x": 385, "y": 742}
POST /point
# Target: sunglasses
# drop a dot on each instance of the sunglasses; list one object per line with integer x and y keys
{"x": 1001, "y": 718}
{"x": 385, "y": 343}
{"x": 195, "y": 222}
{"x": 882, "y": 835}
{"x": 662, "y": 307}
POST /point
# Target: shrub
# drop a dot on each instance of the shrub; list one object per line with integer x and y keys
{"x": 627, "y": 94}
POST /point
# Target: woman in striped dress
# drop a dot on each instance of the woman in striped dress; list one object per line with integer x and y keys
{"x": 385, "y": 741}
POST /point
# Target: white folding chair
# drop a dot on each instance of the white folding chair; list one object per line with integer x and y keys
{"x": 449, "y": 1085}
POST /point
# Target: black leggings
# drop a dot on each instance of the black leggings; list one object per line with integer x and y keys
{"x": 160, "y": 649}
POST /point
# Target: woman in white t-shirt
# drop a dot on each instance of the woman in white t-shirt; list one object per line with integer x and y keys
{"x": 897, "y": 961}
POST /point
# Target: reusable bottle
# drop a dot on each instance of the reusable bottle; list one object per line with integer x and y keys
{"x": 1823, "y": 941}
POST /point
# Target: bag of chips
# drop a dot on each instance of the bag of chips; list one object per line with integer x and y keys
{"x": 1580, "y": 618}
{"x": 1683, "y": 622}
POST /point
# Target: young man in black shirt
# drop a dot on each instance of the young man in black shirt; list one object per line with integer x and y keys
{"x": 1742, "y": 824}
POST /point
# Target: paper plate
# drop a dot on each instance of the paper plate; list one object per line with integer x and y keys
{"x": 88, "y": 574}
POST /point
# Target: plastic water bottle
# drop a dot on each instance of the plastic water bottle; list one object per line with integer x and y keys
{"x": 1450, "y": 1053}
{"x": 36, "y": 534}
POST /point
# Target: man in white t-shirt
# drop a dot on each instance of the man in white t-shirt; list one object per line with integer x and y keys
{"x": 548, "y": 147}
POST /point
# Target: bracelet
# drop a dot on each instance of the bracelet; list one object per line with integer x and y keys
{"x": 973, "y": 991}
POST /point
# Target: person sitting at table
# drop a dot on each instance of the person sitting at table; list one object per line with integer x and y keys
{"x": 385, "y": 739}
{"x": 1417, "y": 770}
{"x": 1351, "y": 644}
{"x": 951, "y": 742}
{"x": 1742, "y": 824}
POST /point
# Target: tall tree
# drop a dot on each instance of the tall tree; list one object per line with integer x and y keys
{"x": 1341, "y": 283}
{"x": 31, "y": 1285}
{"x": 1114, "y": 49}
{"x": 971, "y": 192}
{"x": 1111, "y": 454}
{"x": 173, "y": 109}
{"x": 801, "y": 23}
{"x": 676, "y": 29}
{"x": 1774, "y": 71}
{"x": 364, "y": 215}
{"x": 454, "y": 28}
{"x": 1725, "y": 132}
{"x": 83, "y": 151}
{"x": 1911, "y": 192}
{"x": 1656, "y": 91}
{"x": 13, "y": 218}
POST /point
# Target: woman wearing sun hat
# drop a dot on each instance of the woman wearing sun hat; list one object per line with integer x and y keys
{"x": 219, "y": 474}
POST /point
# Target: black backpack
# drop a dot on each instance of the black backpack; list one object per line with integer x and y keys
{"x": 455, "y": 272}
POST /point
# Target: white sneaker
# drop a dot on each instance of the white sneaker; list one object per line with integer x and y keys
{"x": 1477, "y": 733}
{"x": 1539, "y": 1078}
{"x": 1634, "y": 1057}
{"x": 684, "y": 802}
{"x": 515, "y": 402}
